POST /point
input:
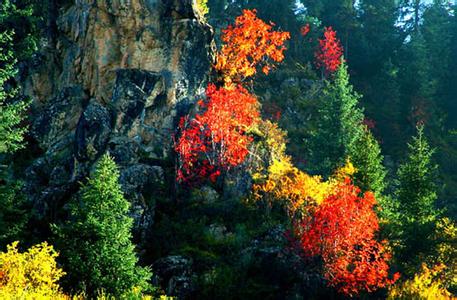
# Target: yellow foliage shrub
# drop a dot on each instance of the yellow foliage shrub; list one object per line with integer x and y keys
{"x": 348, "y": 170}
{"x": 273, "y": 141}
{"x": 284, "y": 182}
{"x": 427, "y": 285}
{"x": 34, "y": 275}
{"x": 446, "y": 248}
{"x": 287, "y": 183}
{"x": 30, "y": 275}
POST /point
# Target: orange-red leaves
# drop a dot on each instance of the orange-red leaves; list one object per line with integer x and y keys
{"x": 342, "y": 231}
{"x": 216, "y": 139}
{"x": 304, "y": 30}
{"x": 248, "y": 45}
{"x": 330, "y": 51}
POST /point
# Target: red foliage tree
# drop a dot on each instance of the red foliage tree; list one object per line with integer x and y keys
{"x": 249, "y": 45}
{"x": 342, "y": 232}
{"x": 328, "y": 55}
{"x": 216, "y": 139}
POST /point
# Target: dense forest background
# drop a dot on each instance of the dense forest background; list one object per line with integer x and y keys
{"x": 228, "y": 149}
{"x": 401, "y": 57}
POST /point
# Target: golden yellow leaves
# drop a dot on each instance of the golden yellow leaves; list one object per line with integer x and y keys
{"x": 300, "y": 191}
{"x": 446, "y": 247}
{"x": 426, "y": 285}
{"x": 287, "y": 184}
{"x": 348, "y": 170}
{"x": 202, "y": 6}
{"x": 30, "y": 275}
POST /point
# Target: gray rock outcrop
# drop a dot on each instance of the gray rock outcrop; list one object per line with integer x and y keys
{"x": 113, "y": 75}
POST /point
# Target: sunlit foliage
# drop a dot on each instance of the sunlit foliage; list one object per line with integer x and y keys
{"x": 342, "y": 231}
{"x": 427, "y": 285}
{"x": 281, "y": 181}
{"x": 329, "y": 54}
{"x": 284, "y": 183}
{"x": 445, "y": 240}
{"x": 249, "y": 45}
{"x": 291, "y": 186}
{"x": 216, "y": 139}
{"x": 202, "y": 6}
{"x": 30, "y": 275}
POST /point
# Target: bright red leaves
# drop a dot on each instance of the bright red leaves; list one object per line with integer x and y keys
{"x": 216, "y": 138}
{"x": 330, "y": 51}
{"x": 342, "y": 231}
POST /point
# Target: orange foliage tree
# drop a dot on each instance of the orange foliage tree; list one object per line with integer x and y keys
{"x": 328, "y": 56}
{"x": 249, "y": 45}
{"x": 216, "y": 139}
{"x": 342, "y": 232}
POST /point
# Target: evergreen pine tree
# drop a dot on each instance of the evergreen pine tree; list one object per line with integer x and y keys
{"x": 417, "y": 191}
{"x": 366, "y": 156}
{"x": 341, "y": 134}
{"x": 96, "y": 241}
{"x": 451, "y": 87}
{"x": 339, "y": 124}
{"x": 376, "y": 39}
{"x": 13, "y": 215}
{"x": 19, "y": 17}
{"x": 416, "y": 195}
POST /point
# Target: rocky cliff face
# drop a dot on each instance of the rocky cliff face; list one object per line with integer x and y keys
{"x": 113, "y": 75}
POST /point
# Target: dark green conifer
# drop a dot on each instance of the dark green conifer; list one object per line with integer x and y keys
{"x": 96, "y": 241}
{"x": 341, "y": 135}
{"x": 416, "y": 195}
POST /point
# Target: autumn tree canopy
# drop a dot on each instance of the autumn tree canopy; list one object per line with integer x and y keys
{"x": 342, "y": 231}
{"x": 330, "y": 51}
{"x": 249, "y": 45}
{"x": 215, "y": 139}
